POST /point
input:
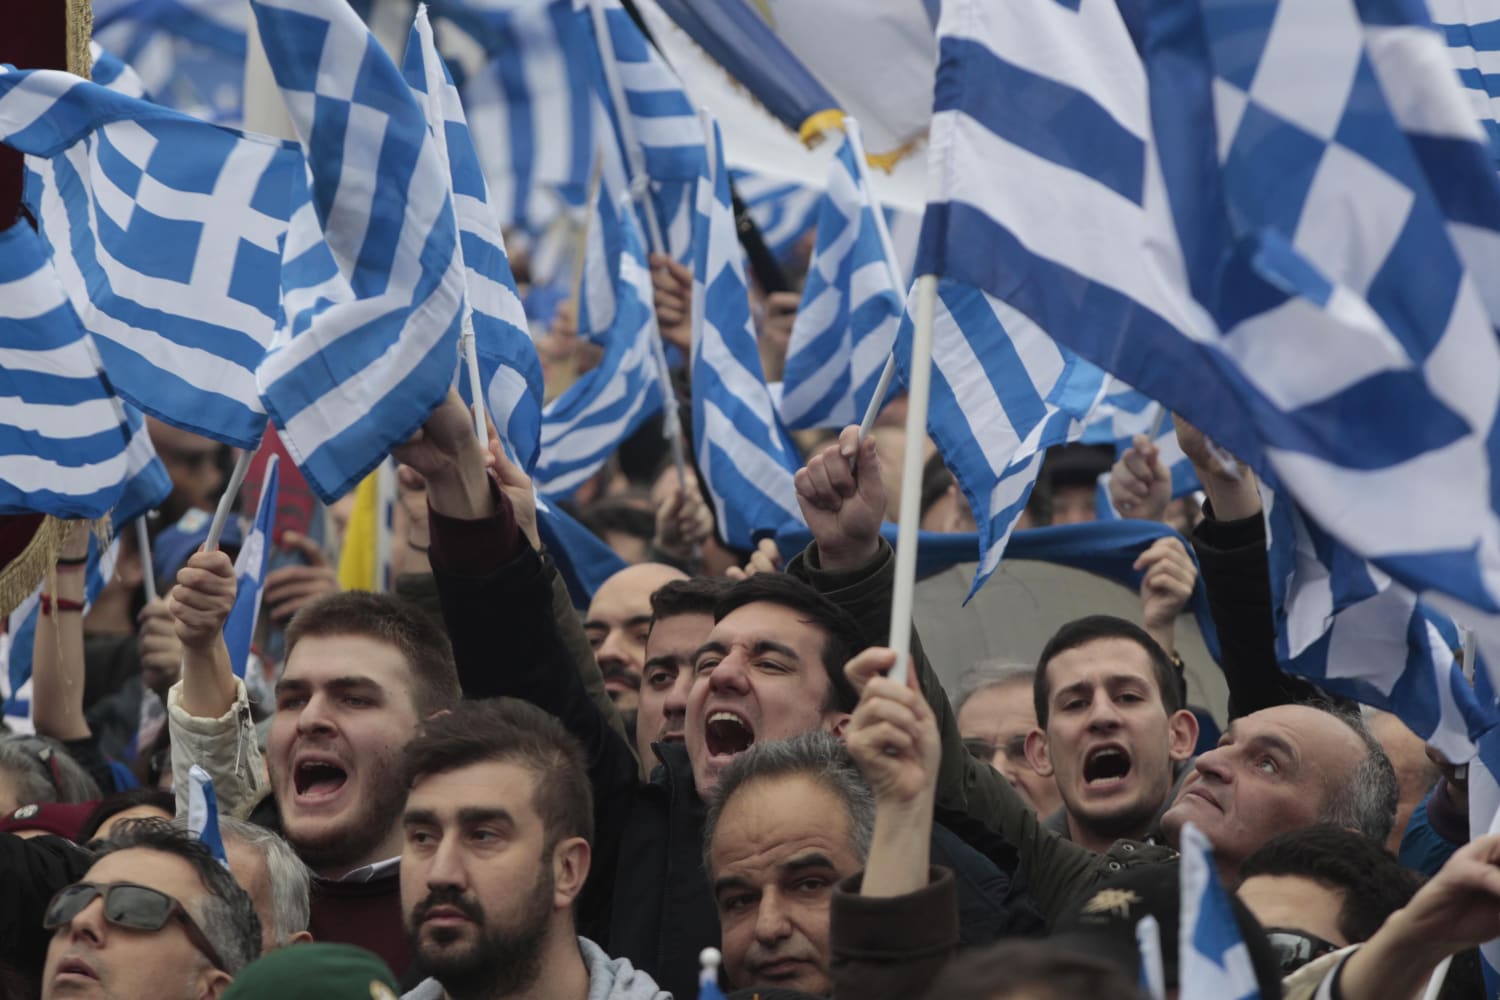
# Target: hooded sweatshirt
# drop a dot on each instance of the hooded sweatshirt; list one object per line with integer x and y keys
{"x": 609, "y": 979}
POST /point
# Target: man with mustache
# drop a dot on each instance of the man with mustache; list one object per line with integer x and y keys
{"x": 618, "y": 619}
{"x": 497, "y": 836}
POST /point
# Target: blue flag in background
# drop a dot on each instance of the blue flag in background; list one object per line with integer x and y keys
{"x": 250, "y": 573}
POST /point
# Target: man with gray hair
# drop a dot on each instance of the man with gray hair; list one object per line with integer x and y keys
{"x": 996, "y": 715}
{"x": 279, "y": 884}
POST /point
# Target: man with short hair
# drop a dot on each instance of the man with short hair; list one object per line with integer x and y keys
{"x": 617, "y": 622}
{"x": 1113, "y": 728}
{"x": 996, "y": 714}
{"x": 279, "y": 884}
{"x": 682, "y": 615}
{"x": 361, "y": 670}
{"x": 154, "y": 918}
{"x": 498, "y": 827}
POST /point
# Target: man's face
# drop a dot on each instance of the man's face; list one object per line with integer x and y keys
{"x": 477, "y": 880}
{"x": 192, "y": 462}
{"x": 1271, "y": 772}
{"x": 618, "y": 620}
{"x": 1109, "y": 741}
{"x": 759, "y": 677}
{"x": 344, "y": 710}
{"x": 90, "y": 957}
{"x": 1002, "y": 716}
{"x": 1291, "y": 902}
{"x": 780, "y": 847}
{"x": 667, "y": 678}
{"x": 1074, "y": 504}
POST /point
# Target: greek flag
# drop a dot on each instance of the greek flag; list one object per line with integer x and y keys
{"x": 203, "y": 813}
{"x": 1123, "y": 413}
{"x": 1350, "y": 629}
{"x": 523, "y": 72}
{"x": 19, "y": 639}
{"x": 1472, "y": 30}
{"x": 582, "y": 558}
{"x": 373, "y": 281}
{"x": 851, "y": 305}
{"x": 110, "y": 71}
{"x": 190, "y": 54}
{"x": 1484, "y": 817}
{"x": 1212, "y": 960}
{"x": 742, "y": 452}
{"x": 582, "y": 427}
{"x": 494, "y": 322}
{"x": 63, "y": 435}
{"x": 652, "y": 120}
{"x": 250, "y": 573}
{"x": 166, "y": 233}
{"x": 783, "y": 211}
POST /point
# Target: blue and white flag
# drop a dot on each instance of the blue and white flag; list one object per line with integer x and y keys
{"x": 147, "y": 482}
{"x": 373, "y": 283}
{"x": 203, "y": 814}
{"x": 110, "y": 71}
{"x": 654, "y": 124}
{"x": 581, "y": 556}
{"x": 742, "y": 453}
{"x": 63, "y": 434}
{"x": 1484, "y": 819}
{"x": 1472, "y": 30}
{"x": 582, "y": 427}
{"x": 166, "y": 233}
{"x": 19, "y": 638}
{"x": 783, "y": 211}
{"x": 494, "y": 322}
{"x": 1347, "y": 627}
{"x": 851, "y": 305}
{"x": 250, "y": 573}
{"x": 1212, "y": 959}
{"x": 1002, "y": 394}
{"x": 1121, "y": 415}
{"x": 190, "y": 54}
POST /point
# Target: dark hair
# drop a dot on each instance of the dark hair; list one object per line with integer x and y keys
{"x": 512, "y": 731}
{"x": 119, "y": 802}
{"x": 1032, "y": 969}
{"x": 618, "y": 514}
{"x": 844, "y": 638}
{"x": 935, "y": 480}
{"x": 226, "y": 915}
{"x": 422, "y": 642}
{"x": 1366, "y": 800}
{"x": 1374, "y": 884}
{"x": 1093, "y": 628}
{"x": 697, "y": 595}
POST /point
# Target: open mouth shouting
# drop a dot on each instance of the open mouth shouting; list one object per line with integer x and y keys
{"x": 1106, "y": 767}
{"x": 726, "y": 733}
{"x": 318, "y": 779}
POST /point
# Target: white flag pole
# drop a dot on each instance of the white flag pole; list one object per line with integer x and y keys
{"x": 1435, "y": 984}
{"x": 911, "y": 473}
{"x": 143, "y": 547}
{"x": 888, "y": 249}
{"x": 226, "y": 502}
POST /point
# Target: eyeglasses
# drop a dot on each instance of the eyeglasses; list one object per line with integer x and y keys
{"x": 982, "y": 749}
{"x": 126, "y": 904}
{"x": 1294, "y": 948}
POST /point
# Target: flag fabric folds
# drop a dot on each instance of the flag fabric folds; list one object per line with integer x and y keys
{"x": 250, "y": 573}
{"x": 110, "y": 71}
{"x": 1346, "y": 626}
{"x": 1123, "y": 413}
{"x": 784, "y": 211}
{"x": 203, "y": 813}
{"x": 494, "y": 322}
{"x": 851, "y": 305}
{"x": 1472, "y": 31}
{"x": 190, "y": 54}
{"x": 165, "y": 232}
{"x": 742, "y": 453}
{"x": 1212, "y": 958}
{"x": 373, "y": 282}
{"x": 1002, "y": 394}
{"x": 63, "y": 434}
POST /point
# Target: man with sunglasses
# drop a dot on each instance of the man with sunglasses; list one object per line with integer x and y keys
{"x": 155, "y": 916}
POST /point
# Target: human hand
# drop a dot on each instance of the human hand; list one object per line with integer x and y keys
{"x": 1458, "y": 908}
{"x": 843, "y": 506}
{"x": 776, "y": 332}
{"x": 1140, "y": 485}
{"x": 1229, "y": 483}
{"x": 159, "y": 648}
{"x": 1168, "y": 585}
{"x": 893, "y": 735}
{"x": 765, "y": 559}
{"x": 445, "y": 454}
{"x": 202, "y": 599}
{"x": 672, "y": 292}
{"x": 517, "y": 487}
{"x": 289, "y": 589}
{"x": 683, "y": 521}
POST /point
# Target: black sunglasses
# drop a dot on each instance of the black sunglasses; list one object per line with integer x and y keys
{"x": 129, "y": 905}
{"x": 1294, "y": 948}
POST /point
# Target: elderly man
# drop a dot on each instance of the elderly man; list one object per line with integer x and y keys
{"x": 155, "y": 917}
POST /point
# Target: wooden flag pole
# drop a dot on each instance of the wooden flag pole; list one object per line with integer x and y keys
{"x": 917, "y": 395}
{"x": 226, "y": 502}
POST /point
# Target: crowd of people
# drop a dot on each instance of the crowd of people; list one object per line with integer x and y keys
{"x": 470, "y": 788}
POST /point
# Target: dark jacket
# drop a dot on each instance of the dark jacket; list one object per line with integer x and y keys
{"x": 31, "y": 872}
{"x": 894, "y": 946}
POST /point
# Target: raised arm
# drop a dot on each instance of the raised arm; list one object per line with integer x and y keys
{"x": 57, "y": 668}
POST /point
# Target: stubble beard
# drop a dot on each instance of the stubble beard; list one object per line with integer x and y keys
{"x": 501, "y": 961}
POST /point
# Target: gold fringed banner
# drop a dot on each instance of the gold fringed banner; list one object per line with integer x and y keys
{"x": 31, "y": 543}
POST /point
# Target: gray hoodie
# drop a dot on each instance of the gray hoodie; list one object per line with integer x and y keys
{"x": 609, "y": 979}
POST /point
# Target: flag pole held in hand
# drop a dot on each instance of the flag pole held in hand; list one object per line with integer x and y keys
{"x": 226, "y": 502}
{"x": 143, "y": 546}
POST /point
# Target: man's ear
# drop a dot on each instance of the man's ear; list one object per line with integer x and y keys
{"x": 1037, "y": 753}
{"x": 213, "y": 983}
{"x": 301, "y": 937}
{"x": 836, "y": 723}
{"x": 1184, "y": 728}
{"x": 570, "y": 869}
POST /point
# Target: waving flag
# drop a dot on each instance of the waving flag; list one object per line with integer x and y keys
{"x": 63, "y": 435}
{"x": 373, "y": 280}
{"x": 851, "y": 306}
{"x": 1212, "y": 960}
{"x": 652, "y": 120}
{"x": 190, "y": 54}
{"x": 1484, "y": 819}
{"x": 165, "y": 232}
{"x": 1472, "y": 30}
{"x": 1123, "y": 413}
{"x": 494, "y": 322}
{"x": 203, "y": 814}
{"x": 582, "y": 427}
{"x": 1349, "y": 628}
{"x": 250, "y": 574}
{"x": 783, "y": 211}
{"x": 741, "y": 451}
{"x": 110, "y": 71}
{"x": 582, "y": 558}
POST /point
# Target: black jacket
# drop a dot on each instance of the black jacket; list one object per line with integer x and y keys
{"x": 31, "y": 872}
